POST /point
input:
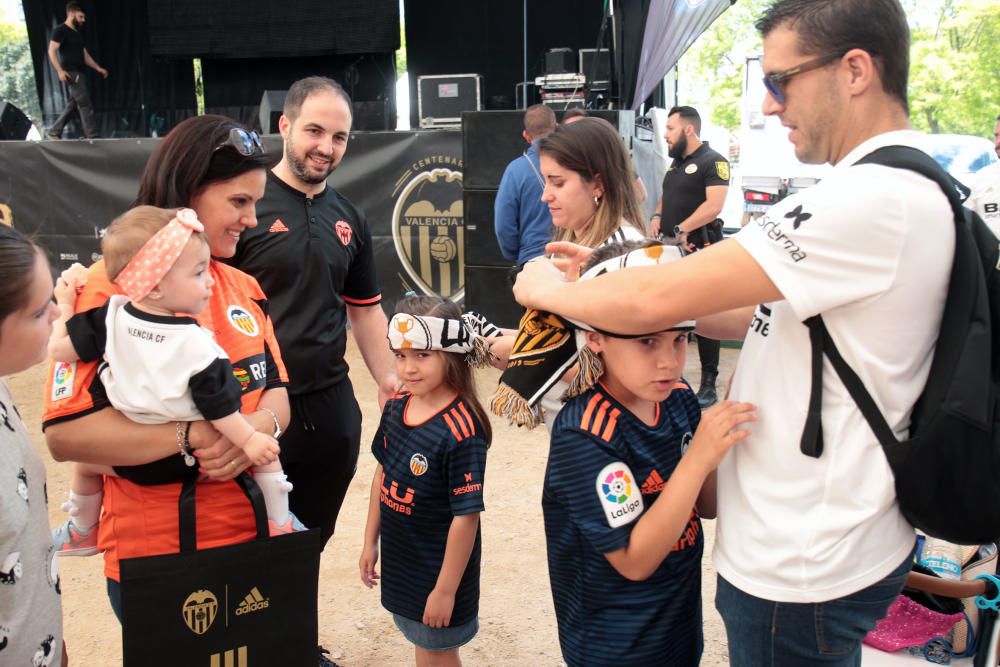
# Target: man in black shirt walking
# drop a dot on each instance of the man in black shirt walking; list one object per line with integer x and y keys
{"x": 70, "y": 62}
{"x": 694, "y": 190}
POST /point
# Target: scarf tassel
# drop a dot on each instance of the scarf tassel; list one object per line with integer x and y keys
{"x": 590, "y": 371}
{"x": 508, "y": 403}
{"x": 480, "y": 356}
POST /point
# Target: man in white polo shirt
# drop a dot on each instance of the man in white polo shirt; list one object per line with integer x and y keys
{"x": 985, "y": 199}
{"x": 810, "y": 551}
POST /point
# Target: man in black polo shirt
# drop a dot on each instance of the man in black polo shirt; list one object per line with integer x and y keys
{"x": 694, "y": 190}
{"x": 70, "y": 66}
{"x": 312, "y": 254}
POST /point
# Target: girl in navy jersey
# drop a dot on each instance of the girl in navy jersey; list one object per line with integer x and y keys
{"x": 427, "y": 492}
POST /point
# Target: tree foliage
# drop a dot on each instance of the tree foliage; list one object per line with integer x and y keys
{"x": 955, "y": 68}
{"x": 954, "y": 64}
{"x": 711, "y": 72}
{"x": 17, "y": 83}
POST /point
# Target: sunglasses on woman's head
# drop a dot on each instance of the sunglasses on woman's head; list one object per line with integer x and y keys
{"x": 246, "y": 142}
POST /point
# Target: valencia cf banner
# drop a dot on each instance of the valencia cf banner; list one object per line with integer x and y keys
{"x": 409, "y": 184}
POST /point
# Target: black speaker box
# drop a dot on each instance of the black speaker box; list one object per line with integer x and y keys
{"x": 491, "y": 139}
{"x": 596, "y": 66}
{"x": 481, "y": 247}
{"x": 488, "y": 290}
{"x": 560, "y": 61}
{"x": 13, "y": 123}
{"x": 371, "y": 116}
{"x": 272, "y": 102}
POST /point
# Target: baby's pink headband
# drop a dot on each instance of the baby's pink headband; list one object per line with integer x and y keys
{"x": 158, "y": 255}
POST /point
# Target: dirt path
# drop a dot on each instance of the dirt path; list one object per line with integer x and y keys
{"x": 517, "y": 621}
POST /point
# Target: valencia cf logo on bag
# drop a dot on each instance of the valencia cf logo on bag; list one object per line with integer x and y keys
{"x": 344, "y": 232}
{"x": 199, "y": 611}
{"x": 242, "y": 321}
{"x": 428, "y": 228}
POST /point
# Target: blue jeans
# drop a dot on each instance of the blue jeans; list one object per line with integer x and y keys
{"x": 762, "y": 633}
{"x": 115, "y": 597}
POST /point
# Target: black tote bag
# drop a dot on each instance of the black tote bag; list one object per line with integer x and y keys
{"x": 242, "y": 605}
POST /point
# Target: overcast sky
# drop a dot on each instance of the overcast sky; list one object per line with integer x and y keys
{"x": 11, "y": 10}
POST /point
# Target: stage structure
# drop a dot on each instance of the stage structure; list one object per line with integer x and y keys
{"x": 148, "y": 47}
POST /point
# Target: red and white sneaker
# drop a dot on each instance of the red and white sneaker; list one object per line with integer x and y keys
{"x": 291, "y": 525}
{"x": 71, "y": 541}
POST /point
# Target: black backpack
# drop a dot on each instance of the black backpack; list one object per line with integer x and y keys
{"x": 948, "y": 472}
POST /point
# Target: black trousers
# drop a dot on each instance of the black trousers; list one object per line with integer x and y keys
{"x": 708, "y": 348}
{"x": 708, "y": 354}
{"x": 79, "y": 102}
{"x": 319, "y": 453}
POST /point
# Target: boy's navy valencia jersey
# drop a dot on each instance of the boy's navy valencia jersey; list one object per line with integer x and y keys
{"x": 606, "y": 467}
{"x": 431, "y": 472}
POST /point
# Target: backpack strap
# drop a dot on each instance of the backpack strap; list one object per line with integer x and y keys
{"x": 913, "y": 159}
{"x": 812, "y": 435}
{"x": 811, "y": 444}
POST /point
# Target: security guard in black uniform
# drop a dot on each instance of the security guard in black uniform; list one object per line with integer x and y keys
{"x": 694, "y": 190}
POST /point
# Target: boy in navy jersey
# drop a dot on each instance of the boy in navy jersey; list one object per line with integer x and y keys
{"x": 630, "y": 471}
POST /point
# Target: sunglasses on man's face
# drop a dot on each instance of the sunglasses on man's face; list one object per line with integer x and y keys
{"x": 245, "y": 142}
{"x": 775, "y": 83}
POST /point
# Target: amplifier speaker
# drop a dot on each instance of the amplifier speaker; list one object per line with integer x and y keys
{"x": 13, "y": 123}
{"x": 491, "y": 139}
{"x": 272, "y": 102}
{"x": 560, "y": 61}
{"x": 481, "y": 247}
{"x": 371, "y": 116}
{"x": 596, "y": 66}
{"x": 488, "y": 290}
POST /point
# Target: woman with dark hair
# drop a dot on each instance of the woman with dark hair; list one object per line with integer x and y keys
{"x": 216, "y": 167}
{"x": 30, "y": 607}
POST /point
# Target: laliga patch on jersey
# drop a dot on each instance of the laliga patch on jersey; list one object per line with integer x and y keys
{"x": 62, "y": 380}
{"x": 620, "y": 496}
{"x": 691, "y": 168}
{"x": 242, "y": 321}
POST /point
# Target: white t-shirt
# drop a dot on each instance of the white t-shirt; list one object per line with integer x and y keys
{"x": 552, "y": 399}
{"x": 985, "y": 198}
{"x": 871, "y": 249}
{"x": 157, "y": 369}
